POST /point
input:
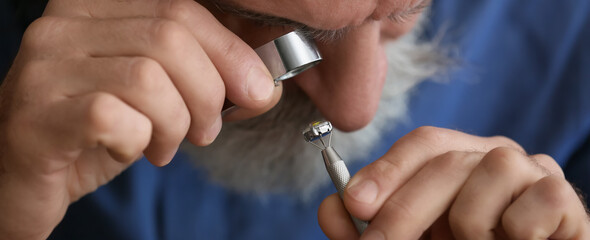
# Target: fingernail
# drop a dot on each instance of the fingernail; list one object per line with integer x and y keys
{"x": 213, "y": 131}
{"x": 364, "y": 191}
{"x": 259, "y": 84}
{"x": 373, "y": 235}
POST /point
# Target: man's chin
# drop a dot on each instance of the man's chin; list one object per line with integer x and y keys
{"x": 267, "y": 154}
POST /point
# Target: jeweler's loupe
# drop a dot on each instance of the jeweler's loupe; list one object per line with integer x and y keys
{"x": 289, "y": 55}
{"x": 285, "y": 57}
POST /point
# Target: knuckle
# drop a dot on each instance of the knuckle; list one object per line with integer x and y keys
{"x": 179, "y": 10}
{"x": 450, "y": 159}
{"x": 547, "y": 164}
{"x": 168, "y": 35}
{"x": 146, "y": 75}
{"x": 504, "y": 161}
{"x": 430, "y": 135}
{"x": 102, "y": 113}
{"x": 556, "y": 192}
{"x": 42, "y": 33}
{"x": 544, "y": 157}
{"x": 507, "y": 142}
{"x": 426, "y": 131}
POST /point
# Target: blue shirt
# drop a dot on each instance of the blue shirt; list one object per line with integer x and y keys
{"x": 524, "y": 73}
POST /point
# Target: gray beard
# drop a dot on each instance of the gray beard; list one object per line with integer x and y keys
{"x": 267, "y": 154}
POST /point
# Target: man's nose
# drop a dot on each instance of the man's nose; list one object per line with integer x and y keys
{"x": 346, "y": 86}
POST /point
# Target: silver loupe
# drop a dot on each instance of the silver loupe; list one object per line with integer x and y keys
{"x": 289, "y": 55}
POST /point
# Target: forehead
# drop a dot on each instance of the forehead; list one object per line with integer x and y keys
{"x": 318, "y": 14}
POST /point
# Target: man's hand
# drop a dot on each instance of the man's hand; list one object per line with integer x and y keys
{"x": 442, "y": 184}
{"x": 98, "y": 83}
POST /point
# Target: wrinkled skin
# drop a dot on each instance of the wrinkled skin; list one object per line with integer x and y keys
{"x": 96, "y": 84}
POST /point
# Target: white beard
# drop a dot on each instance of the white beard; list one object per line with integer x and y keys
{"x": 267, "y": 154}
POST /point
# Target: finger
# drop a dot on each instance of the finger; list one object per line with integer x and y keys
{"x": 503, "y": 174}
{"x": 335, "y": 220}
{"x": 549, "y": 209}
{"x": 140, "y": 82}
{"x": 168, "y": 43}
{"x": 372, "y": 185}
{"x": 425, "y": 197}
{"x": 90, "y": 121}
{"x": 247, "y": 80}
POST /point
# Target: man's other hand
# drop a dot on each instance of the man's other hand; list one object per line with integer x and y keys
{"x": 442, "y": 184}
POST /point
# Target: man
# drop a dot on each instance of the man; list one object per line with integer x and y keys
{"x": 96, "y": 84}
